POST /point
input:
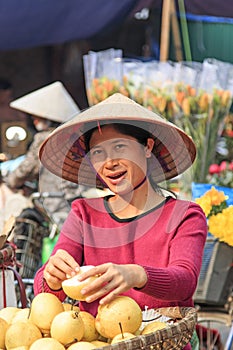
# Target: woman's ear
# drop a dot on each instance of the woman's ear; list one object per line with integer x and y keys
{"x": 149, "y": 147}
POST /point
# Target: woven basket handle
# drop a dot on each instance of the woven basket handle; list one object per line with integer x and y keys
{"x": 23, "y": 296}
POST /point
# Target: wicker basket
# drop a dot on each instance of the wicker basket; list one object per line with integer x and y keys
{"x": 175, "y": 336}
{"x": 28, "y": 236}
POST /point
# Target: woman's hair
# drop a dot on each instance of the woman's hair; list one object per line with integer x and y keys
{"x": 139, "y": 133}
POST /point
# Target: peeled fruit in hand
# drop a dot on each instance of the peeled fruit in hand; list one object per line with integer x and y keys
{"x": 21, "y": 333}
{"x": 82, "y": 345}
{"x": 67, "y": 327}
{"x": 47, "y": 344}
{"x": 44, "y": 307}
{"x": 122, "y": 311}
{"x": 121, "y": 337}
{"x": 72, "y": 286}
{"x": 90, "y": 332}
{"x": 153, "y": 326}
{"x": 3, "y": 328}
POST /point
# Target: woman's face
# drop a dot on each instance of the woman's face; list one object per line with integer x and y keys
{"x": 120, "y": 160}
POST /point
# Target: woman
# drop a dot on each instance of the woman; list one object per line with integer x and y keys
{"x": 143, "y": 242}
{"x": 47, "y": 107}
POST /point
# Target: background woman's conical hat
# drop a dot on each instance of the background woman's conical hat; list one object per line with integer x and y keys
{"x": 51, "y": 102}
{"x": 63, "y": 152}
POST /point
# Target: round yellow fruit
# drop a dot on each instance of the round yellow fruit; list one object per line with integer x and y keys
{"x": 21, "y": 315}
{"x": 21, "y": 333}
{"x": 44, "y": 307}
{"x": 67, "y": 327}
{"x": 121, "y": 337}
{"x": 90, "y": 332}
{"x": 8, "y": 313}
{"x": 68, "y": 306}
{"x": 82, "y": 345}
{"x": 153, "y": 326}
{"x": 72, "y": 286}
{"x": 3, "y": 328}
{"x": 47, "y": 344}
{"x": 99, "y": 343}
{"x": 123, "y": 311}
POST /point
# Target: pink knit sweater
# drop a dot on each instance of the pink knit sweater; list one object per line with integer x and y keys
{"x": 167, "y": 241}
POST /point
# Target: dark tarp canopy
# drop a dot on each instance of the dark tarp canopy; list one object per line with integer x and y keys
{"x": 28, "y": 23}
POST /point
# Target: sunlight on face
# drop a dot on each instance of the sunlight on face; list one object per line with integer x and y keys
{"x": 118, "y": 159}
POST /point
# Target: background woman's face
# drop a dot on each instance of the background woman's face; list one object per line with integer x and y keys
{"x": 120, "y": 160}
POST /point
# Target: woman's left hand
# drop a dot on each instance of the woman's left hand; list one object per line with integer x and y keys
{"x": 113, "y": 280}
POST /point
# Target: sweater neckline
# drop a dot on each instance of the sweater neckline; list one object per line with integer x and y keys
{"x": 116, "y": 218}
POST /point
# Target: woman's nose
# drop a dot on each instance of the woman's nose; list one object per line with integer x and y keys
{"x": 110, "y": 162}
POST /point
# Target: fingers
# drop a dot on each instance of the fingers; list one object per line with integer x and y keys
{"x": 107, "y": 292}
{"x": 110, "y": 283}
{"x": 59, "y": 266}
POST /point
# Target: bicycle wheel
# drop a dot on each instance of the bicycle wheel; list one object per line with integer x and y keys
{"x": 215, "y": 330}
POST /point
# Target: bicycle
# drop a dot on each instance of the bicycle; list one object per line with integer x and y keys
{"x": 32, "y": 227}
{"x": 8, "y": 274}
{"x": 215, "y": 326}
{"x": 213, "y": 296}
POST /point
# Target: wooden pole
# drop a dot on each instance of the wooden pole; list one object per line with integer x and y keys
{"x": 184, "y": 28}
{"x": 176, "y": 33}
{"x": 165, "y": 30}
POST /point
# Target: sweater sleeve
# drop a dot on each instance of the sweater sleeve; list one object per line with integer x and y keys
{"x": 178, "y": 280}
{"x": 74, "y": 249}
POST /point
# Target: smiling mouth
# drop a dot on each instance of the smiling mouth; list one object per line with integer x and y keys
{"x": 116, "y": 176}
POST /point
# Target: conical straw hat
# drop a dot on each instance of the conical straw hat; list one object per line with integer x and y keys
{"x": 63, "y": 152}
{"x": 51, "y": 102}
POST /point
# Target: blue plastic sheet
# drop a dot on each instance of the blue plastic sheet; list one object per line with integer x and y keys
{"x": 10, "y": 165}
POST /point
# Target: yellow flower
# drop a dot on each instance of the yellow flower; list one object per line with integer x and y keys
{"x": 216, "y": 197}
{"x": 205, "y": 204}
{"x": 219, "y": 216}
{"x": 211, "y": 198}
{"x": 221, "y": 225}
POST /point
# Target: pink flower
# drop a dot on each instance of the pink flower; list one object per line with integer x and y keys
{"x": 231, "y": 166}
{"x": 223, "y": 166}
{"x": 214, "y": 169}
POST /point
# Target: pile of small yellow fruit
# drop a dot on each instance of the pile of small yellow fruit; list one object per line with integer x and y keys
{"x": 50, "y": 324}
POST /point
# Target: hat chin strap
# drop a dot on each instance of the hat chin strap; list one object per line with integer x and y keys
{"x": 143, "y": 180}
{"x": 140, "y": 183}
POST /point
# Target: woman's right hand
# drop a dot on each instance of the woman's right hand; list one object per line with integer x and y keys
{"x": 59, "y": 266}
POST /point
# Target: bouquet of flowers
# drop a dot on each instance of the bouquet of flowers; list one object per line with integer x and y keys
{"x": 218, "y": 213}
{"x": 202, "y": 116}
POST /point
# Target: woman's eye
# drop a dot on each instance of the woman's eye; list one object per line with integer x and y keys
{"x": 120, "y": 146}
{"x": 96, "y": 152}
